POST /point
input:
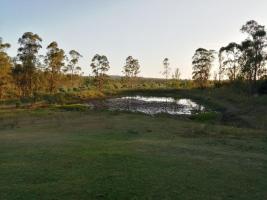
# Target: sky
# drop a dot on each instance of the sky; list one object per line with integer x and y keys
{"x": 148, "y": 30}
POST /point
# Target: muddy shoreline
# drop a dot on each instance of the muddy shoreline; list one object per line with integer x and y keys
{"x": 150, "y": 105}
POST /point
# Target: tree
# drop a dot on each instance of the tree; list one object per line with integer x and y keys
{"x": 55, "y": 61}
{"x": 131, "y": 69}
{"x": 73, "y": 67}
{"x": 246, "y": 61}
{"x": 166, "y": 69}
{"x": 27, "y": 56}
{"x": 5, "y": 68}
{"x": 229, "y": 58}
{"x": 100, "y": 65}
{"x": 3, "y": 46}
{"x": 202, "y": 63}
{"x": 253, "y": 51}
{"x": 177, "y": 74}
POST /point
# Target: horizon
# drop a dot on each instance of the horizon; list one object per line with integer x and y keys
{"x": 147, "y": 30}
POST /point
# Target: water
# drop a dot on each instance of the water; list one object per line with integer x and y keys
{"x": 155, "y": 105}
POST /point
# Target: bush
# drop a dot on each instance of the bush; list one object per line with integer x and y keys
{"x": 27, "y": 100}
{"x": 62, "y": 90}
{"x": 218, "y": 84}
{"x": 18, "y": 104}
{"x": 58, "y": 98}
{"x": 75, "y": 89}
{"x": 89, "y": 94}
{"x": 38, "y": 97}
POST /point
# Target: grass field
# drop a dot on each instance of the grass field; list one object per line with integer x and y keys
{"x": 75, "y": 153}
{"x": 57, "y": 154}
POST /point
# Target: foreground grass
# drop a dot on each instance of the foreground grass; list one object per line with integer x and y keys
{"x": 48, "y": 154}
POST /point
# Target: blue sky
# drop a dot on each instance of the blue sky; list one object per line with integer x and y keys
{"x": 149, "y": 30}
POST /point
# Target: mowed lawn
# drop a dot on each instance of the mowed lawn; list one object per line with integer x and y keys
{"x": 48, "y": 154}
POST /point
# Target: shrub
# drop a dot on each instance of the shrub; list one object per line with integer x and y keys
{"x": 18, "y": 104}
{"x": 89, "y": 94}
{"x": 62, "y": 90}
{"x": 58, "y": 98}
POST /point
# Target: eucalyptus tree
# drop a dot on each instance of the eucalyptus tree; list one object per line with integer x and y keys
{"x": 253, "y": 50}
{"x": 100, "y": 65}
{"x": 131, "y": 69}
{"x": 3, "y": 46}
{"x": 18, "y": 77}
{"x": 54, "y": 60}
{"x": 72, "y": 66}
{"x": 27, "y": 59}
{"x": 229, "y": 57}
{"x": 5, "y": 68}
{"x": 202, "y": 63}
{"x": 166, "y": 69}
{"x": 177, "y": 74}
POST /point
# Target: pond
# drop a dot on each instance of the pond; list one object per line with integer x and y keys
{"x": 155, "y": 105}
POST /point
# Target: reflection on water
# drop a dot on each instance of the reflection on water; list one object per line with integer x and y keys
{"x": 155, "y": 105}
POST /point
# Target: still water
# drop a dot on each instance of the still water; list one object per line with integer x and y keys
{"x": 155, "y": 105}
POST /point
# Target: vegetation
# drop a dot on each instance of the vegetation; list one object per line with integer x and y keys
{"x": 229, "y": 57}
{"x": 166, "y": 69}
{"x": 27, "y": 64}
{"x": 177, "y": 74}
{"x": 56, "y": 143}
{"x": 55, "y": 61}
{"x": 58, "y": 154}
{"x": 100, "y": 65}
{"x": 72, "y": 66}
{"x": 5, "y": 68}
{"x": 30, "y": 74}
{"x": 131, "y": 70}
{"x": 202, "y": 63}
{"x": 246, "y": 61}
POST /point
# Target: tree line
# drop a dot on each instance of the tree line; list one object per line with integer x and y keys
{"x": 29, "y": 72}
{"x": 244, "y": 61}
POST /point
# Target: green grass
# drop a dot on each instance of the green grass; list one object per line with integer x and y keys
{"x": 236, "y": 106}
{"x": 58, "y": 154}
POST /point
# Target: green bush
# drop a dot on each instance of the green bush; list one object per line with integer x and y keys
{"x": 59, "y": 98}
{"x": 18, "y": 104}
{"x": 89, "y": 94}
{"x": 62, "y": 90}
{"x": 27, "y": 100}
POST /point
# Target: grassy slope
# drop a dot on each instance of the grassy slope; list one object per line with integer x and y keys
{"x": 238, "y": 108}
{"x": 100, "y": 155}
